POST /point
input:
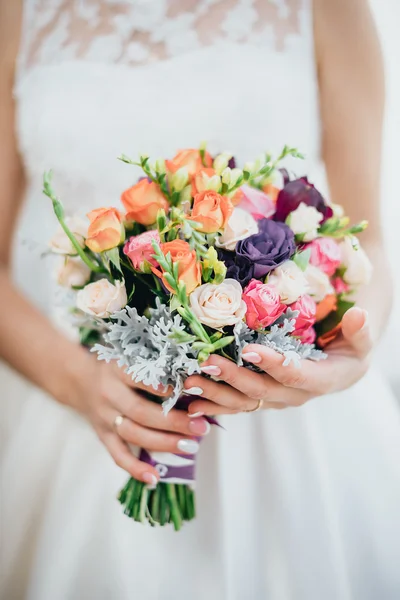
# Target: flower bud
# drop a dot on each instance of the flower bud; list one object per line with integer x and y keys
{"x": 221, "y": 162}
{"x": 226, "y": 176}
{"x": 259, "y": 162}
{"x": 236, "y": 174}
{"x": 213, "y": 183}
{"x": 249, "y": 167}
{"x": 179, "y": 179}
{"x": 186, "y": 194}
{"x": 160, "y": 167}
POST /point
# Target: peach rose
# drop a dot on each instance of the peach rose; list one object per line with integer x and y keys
{"x": 205, "y": 179}
{"x": 189, "y": 271}
{"x": 219, "y": 305}
{"x": 143, "y": 201}
{"x": 326, "y": 306}
{"x": 102, "y": 298}
{"x": 73, "y": 272}
{"x": 211, "y": 210}
{"x": 106, "y": 229}
{"x": 191, "y": 159}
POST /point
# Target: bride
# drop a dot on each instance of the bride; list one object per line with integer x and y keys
{"x": 295, "y": 504}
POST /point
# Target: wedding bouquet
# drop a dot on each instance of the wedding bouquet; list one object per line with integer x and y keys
{"x": 205, "y": 258}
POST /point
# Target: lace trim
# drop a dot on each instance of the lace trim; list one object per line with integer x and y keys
{"x": 137, "y": 32}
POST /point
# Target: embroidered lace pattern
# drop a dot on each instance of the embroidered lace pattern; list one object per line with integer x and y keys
{"x": 138, "y": 32}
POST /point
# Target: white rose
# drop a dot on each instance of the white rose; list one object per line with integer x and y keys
{"x": 319, "y": 284}
{"x": 60, "y": 242}
{"x": 73, "y": 272}
{"x": 356, "y": 262}
{"x": 290, "y": 282}
{"x": 218, "y": 305}
{"x": 305, "y": 221}
{"x": 102, "y": 298}
{"x": 240, "y": 226}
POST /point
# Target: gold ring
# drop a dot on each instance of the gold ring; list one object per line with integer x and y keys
{"x": 259, "y": 405}
{"x": 119, "y": 419}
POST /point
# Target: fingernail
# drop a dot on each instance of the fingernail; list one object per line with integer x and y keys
{"x": 150, "y": 478}
{"x": 194, "y": 391}
{"x": 366, "y": 319}
{"x": 188, "y": 446}
{"x": 252, "y": 357}
{"x": 195, "y": 415}
{"x": 211, "y": 370}
{"x": 200, "y": 427}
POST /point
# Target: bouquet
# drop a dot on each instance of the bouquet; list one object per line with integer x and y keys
{"x": 205, "y": 258}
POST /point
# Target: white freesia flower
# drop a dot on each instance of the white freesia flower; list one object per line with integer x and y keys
{"x": 240, "y": 226}
{"x": 102, "y": 298}
{"x": 60, "y": 242}
{"x": 290, "y": 282}
{"x": 356, "y": 262}
{"x": 319, "y": 284}
{"x": 218, "y": 305}
{"x": 73, "y": 272}
{"x": 305, "y": 221}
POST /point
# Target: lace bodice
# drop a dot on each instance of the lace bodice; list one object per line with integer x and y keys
{"x": 137, "y": 32}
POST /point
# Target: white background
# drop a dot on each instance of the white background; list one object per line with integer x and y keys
{"x": 387, "y": 13}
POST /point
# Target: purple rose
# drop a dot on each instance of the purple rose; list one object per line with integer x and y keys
{"x": 267, "y": 249}
{"x": 298, "y": 191}
{"x": 242, "y": 271}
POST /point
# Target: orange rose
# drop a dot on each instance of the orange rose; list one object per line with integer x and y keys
{"x": 106, "y": 229}
{"x": 191, "y": 159}
{"x": 326, "y": 306}
{"x": 200, "y": 180}
{"x": 329, "y": 336}
{"x": 189, "y": 271}
{"x": 272, "y": 191}
{"x": 143, "y": 201}
{"x": 211, "y": 210}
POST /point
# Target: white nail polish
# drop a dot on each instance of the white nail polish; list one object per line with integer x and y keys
{"x": 194, "y": 391}
{"x": 195, "y": 415}
{"x": 211, "y": 370}
{"x": 188, "y": 446}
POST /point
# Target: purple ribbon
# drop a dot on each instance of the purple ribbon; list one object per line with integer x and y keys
{"x": 168, "y": 469}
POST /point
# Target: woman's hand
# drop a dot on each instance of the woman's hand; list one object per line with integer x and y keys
{"x": 106, "y": 393}
{"x": 280, "y": 387}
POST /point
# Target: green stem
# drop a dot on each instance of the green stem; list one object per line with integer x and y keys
{"x": 173, "y": 505}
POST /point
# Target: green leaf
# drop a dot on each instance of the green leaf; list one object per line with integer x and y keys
{"x": 113, "y": 255}
{"x": 302, "y": 259}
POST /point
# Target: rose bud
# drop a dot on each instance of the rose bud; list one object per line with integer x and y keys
{"x": 297, "y": 192}
{"x": 189, "y": 270}
{"x": 106, "y": 229}
{"x": 190, "y": 159}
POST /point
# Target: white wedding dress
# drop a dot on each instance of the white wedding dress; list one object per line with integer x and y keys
{"x": 300, "y": 504}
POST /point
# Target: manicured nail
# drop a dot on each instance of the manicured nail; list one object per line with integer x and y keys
{"x": 366, "y": 319}
{"x": 188, "y": 446}
{"x": 252, "y": 357}
{"x": 194, "y": 391}
{"x": 199, "y": 426}
{"x": 150, "y": 478}
{"x": 211, "y": 370}
{"x": 195, "y": 415}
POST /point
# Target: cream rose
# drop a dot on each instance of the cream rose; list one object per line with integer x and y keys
{"x": 73, "y": 272}
{"x": 60, "y": 242}
{"x": 356, "y": 262}
{"x": 319, "y": 284}
{"x": 290, "y": 282}
{"x": 239, "y": 227}
{"x": 218, "y": 305}
{"x": 304, "y": 221}
{"x": 102, "y": 298}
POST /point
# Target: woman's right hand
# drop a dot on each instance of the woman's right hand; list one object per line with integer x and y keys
{"x": 107, "y": 393}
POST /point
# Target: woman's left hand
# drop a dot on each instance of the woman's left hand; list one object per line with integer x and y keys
{"x": 240, "y": 389}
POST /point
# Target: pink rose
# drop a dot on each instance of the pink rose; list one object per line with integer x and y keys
{"x": 257, "y": 203}
{"x": 140, "y": 251}
{"x": 308, "y": 336}
{"x": 340, "y": 286}
{"x": 307, "y": 317}
{"x": 263, "y": 303}
{"x": 325, "y": 254}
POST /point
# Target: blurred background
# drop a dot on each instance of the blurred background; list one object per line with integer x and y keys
{"x": 387, "y": 13}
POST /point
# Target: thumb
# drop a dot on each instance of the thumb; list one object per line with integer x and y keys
{"x": 356, "y": 330}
